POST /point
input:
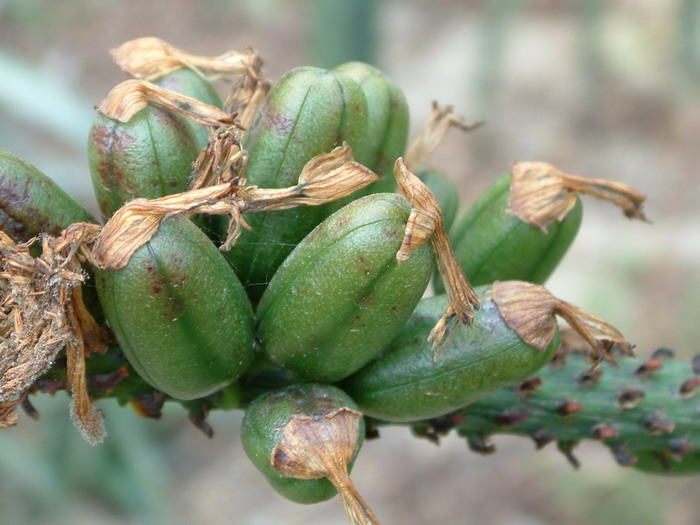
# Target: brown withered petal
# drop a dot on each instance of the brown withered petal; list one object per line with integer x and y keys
{"x": 531, "y": 311}
{"x": 314, "y": 448}
{"x": 541, "y": 194}
{"x": 136, "y": 222}
{"x": 326, "y": 177}
{"x": 222, "y": 160}
{"x": 426, "y": 224}
{"x": 131, "y": 96}
{"x": 246, "y": 97}
{"x": 441, "y": 120}
{"x": 148, "y": 58}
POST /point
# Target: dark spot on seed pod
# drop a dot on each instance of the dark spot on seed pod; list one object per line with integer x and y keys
{"x": 629, "y": 399}
{"x": 366, "y": 299}
{"x": 149, "y": 405}
{"x": 568, "y": 408}
{"x": 367, "y": 272}
{"x": 174, "y": 184}
{"x": 511, "y": 418}
{"x": 361, "y": 260}
{"x": 390, "y": 233}
{"x": 657, "y": 426}
{"x": 689, "y": 387}
{"x": 156, "y": 288}
{"x": 663, "y": 353}
{"x": 567, "y": 448}
{"x": 393, "y": 307}
{"x": 602, "y": 431}
{"x": 112, "y": 142}
{"x": 622, "y": 457}
{"x": 589, "y": 378}
{"x": 277, "y": 122}
{"x": 341, "y": 223}
{"x": 479, "y": 443}
{"x": 543, "y": 438}
{"x": 648, "y": 368}
{"x": 529, "y": 387}
{"x": 29, "y": 409}
{"x": 150, "y": 268}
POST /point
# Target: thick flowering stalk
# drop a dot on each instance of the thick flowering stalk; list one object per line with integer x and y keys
{"x": 644, "y": 411}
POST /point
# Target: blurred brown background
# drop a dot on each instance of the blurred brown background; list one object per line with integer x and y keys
{"x": 600, "y": 89}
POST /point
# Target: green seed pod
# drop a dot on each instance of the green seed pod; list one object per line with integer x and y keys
{"x": 340, "y": 297}
{"x": 644, "y": 411}
{"x": 304, "y": 439}
{"x": 179, "y": 313}
{"x": 387, "y": 129}
{"x": 445, "y": 192}
{"x": 150, "y": 156}
{"x": 409, "y": 383}
{"x": 491, "y": 244}
{"x": 187, "y": 82}
{"x": 309, "y": 111}
{"x": 31, "y": 203}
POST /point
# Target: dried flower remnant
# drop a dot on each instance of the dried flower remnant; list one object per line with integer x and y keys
{"x": 148, "y": 58}
{"x": 131, "y": 96}
{"x": 541, "y": 194}
{"x": 43, "y": 313}
{"x": 426, "y": 223}
{"x": 246, "y": 97}
{"x": 314, "y": 448}
{"x": 441, "y": 120}
{"x": 326, "y": 177}
{"x": 531, "y": 311}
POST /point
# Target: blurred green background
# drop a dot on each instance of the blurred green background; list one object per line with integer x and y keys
{"x": 601, "y": 89}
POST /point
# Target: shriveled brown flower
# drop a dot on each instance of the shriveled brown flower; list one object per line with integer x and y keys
{"x": 541, "y": 194}
{"x": 531, "y": 311}
{"x": 441, "y": 120}
{"x": 323, "y": 447}
{"x": 148, "y": 58}
{"x": 426, "y": 224}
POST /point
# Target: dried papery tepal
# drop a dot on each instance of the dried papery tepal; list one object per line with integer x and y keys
{"x": 541, "y": 194}
{"x": 304, "y": 439}
{"x": 148, "y": 58}
{"x": 426, "y": 224}
{"x": 441, "y": 120}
